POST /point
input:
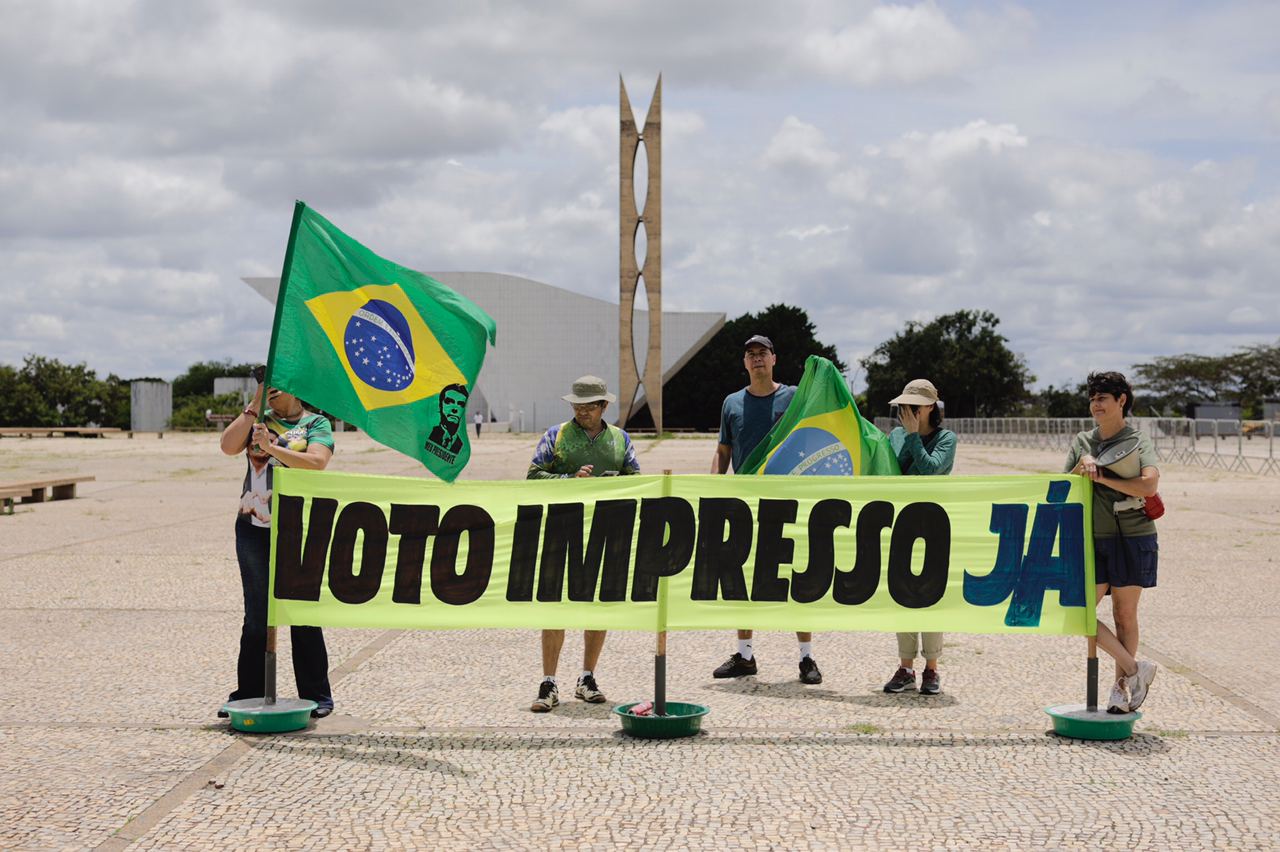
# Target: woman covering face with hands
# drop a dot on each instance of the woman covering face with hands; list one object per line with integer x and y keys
{"x": 923, "y": 448}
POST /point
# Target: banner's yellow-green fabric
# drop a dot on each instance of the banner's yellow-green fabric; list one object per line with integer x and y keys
{"x": 1009, "y": 554}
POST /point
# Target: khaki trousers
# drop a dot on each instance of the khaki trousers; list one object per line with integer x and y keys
{"x": 909, "y": 645}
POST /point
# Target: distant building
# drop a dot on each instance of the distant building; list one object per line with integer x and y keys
{"x": 547, "y": 337}
{"x": 150, "y": 405}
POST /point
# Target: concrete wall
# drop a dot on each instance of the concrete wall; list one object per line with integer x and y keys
{"x": 547, "y": 337}
{"x": 242, "y": 385}
{"x": 150, "y": 406}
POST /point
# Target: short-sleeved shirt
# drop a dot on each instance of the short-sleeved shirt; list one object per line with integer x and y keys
{"x": 565, "y": 448}
{"x": 746, "y": 418}
{"x": 927, "y": 456}
{"x": 1106, "y": 522}
{"x": 297, "y": 435}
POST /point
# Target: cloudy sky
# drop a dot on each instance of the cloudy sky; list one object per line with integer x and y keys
{"x": 1105, "y": 177}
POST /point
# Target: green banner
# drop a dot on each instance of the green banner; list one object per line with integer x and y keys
{"x": 1008, "y": 554}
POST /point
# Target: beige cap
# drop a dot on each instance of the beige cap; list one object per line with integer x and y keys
{"x": 589, "y": 389}
{"x": 917, "y": 392}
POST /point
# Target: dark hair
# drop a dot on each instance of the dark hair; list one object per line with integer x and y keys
{"x": 1112, "y": 383}
{"x": 935, "y": 416}
{"x": 462, "y": 389}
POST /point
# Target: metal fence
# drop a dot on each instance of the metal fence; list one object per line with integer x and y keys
{"x": 1233, "y": 445}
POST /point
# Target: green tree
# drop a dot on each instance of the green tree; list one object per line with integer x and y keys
{"x": 693, "y": 396}
{"x": 47, "y": 392}
{"x": 116, "y": 398}
{"x": 962, "y": 354}
{"x": 1249, "y": 376}
{"x": 191, "y": 413}
{"x": 1179, "y": 380}
{"x": 1065, "y": 401}
{"x": 1258, "y": 371}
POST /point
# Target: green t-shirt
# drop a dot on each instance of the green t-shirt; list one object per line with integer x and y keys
{"x": 255, "y": 494}
{"x": 1107, "y": 523}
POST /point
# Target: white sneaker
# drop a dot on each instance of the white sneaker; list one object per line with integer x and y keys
{"x": 1119, "y": 700}
{"x": 588, "y": 691}
{"x": 548, "y": 697}
{"x": 1139, "y": 684}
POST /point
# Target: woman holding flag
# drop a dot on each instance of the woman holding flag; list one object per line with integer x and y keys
{"x": 288, "y": 435}
{"x": 923, "y": 448}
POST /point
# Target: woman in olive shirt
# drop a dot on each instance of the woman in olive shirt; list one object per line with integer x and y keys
{"x": 1125, "y": 548}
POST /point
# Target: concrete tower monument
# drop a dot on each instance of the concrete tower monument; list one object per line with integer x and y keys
{"x": 630, "y": 270}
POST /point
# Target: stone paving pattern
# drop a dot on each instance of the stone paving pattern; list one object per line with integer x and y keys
{"x": 121, "y": 614}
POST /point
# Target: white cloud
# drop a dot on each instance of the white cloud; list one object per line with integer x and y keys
{"x": 799, "y": 146}
{"x": 41, "y": 328}
{"x": 592, "y": 130}
{"x": 894, "y": 44}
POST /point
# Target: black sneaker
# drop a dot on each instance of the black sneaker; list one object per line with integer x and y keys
{"x": 588, "y": 691}
{"x": 548, "y": 697}
{"x": 321, "y": 711}
{"x": 901, "y": 680}
{"x": 735, "y": 666}
{"x": 222, "y": 713}
{"x": 809, "y": 671}
{"x": 930, "y": 682}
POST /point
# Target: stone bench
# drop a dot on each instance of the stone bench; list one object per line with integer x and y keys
{"x": 65, "y": 431}
{"x": 7, "y": 496}
{"x": 33, "y": 491}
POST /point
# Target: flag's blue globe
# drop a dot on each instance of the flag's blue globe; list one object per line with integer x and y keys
{"x": 810, "y": 451}
{"x": 379, "y": 346}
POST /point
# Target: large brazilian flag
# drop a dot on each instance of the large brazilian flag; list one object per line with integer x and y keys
{"x": 378, "y": 345}
{"x": 822, "y": 434}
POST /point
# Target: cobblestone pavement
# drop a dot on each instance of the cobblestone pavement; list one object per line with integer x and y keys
{"x": 120, "y": 618}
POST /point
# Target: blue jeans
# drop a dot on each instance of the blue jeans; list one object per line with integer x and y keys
{"x": 310, "y": 658}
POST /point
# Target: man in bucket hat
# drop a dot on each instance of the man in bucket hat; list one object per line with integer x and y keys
{"x": 583, "y": 446}
{"x": 745, "y": 419}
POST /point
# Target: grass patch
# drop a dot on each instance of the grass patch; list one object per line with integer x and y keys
{"x": 1174, "y": 734}
{"x": 866, "y": 728}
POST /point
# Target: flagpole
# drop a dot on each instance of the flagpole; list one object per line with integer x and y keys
{"x": 660, "y": 653}
{"x": 269, "y": 685}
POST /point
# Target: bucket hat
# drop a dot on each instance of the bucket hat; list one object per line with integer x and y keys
{"x": 589, "y": 389}
{"x": 917, "y": 392}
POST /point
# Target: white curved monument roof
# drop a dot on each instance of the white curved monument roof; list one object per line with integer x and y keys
{"x": 547, "y": 337}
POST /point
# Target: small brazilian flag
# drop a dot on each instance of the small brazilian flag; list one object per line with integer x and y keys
{"x": 376, "y": 344}
{"x": 822, "y": 434}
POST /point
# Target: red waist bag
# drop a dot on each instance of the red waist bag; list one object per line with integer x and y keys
{"x": 1153, "y": 506}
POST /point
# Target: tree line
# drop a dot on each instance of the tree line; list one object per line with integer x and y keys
{"x": 46, "y": 392}
{"x": 962, "y": 353}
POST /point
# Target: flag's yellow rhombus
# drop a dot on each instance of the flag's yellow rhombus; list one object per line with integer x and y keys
{"x": 390, "y": 355}
{"x": 822, "y": 445}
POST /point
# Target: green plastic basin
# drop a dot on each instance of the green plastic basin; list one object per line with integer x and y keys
{"x": 254, "y": 716}
{"x": 1079, "y": 722}
{"x": 682, "y": 720}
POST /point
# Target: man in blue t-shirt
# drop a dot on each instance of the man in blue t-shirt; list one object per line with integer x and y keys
{"x": 745, "y": 419}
